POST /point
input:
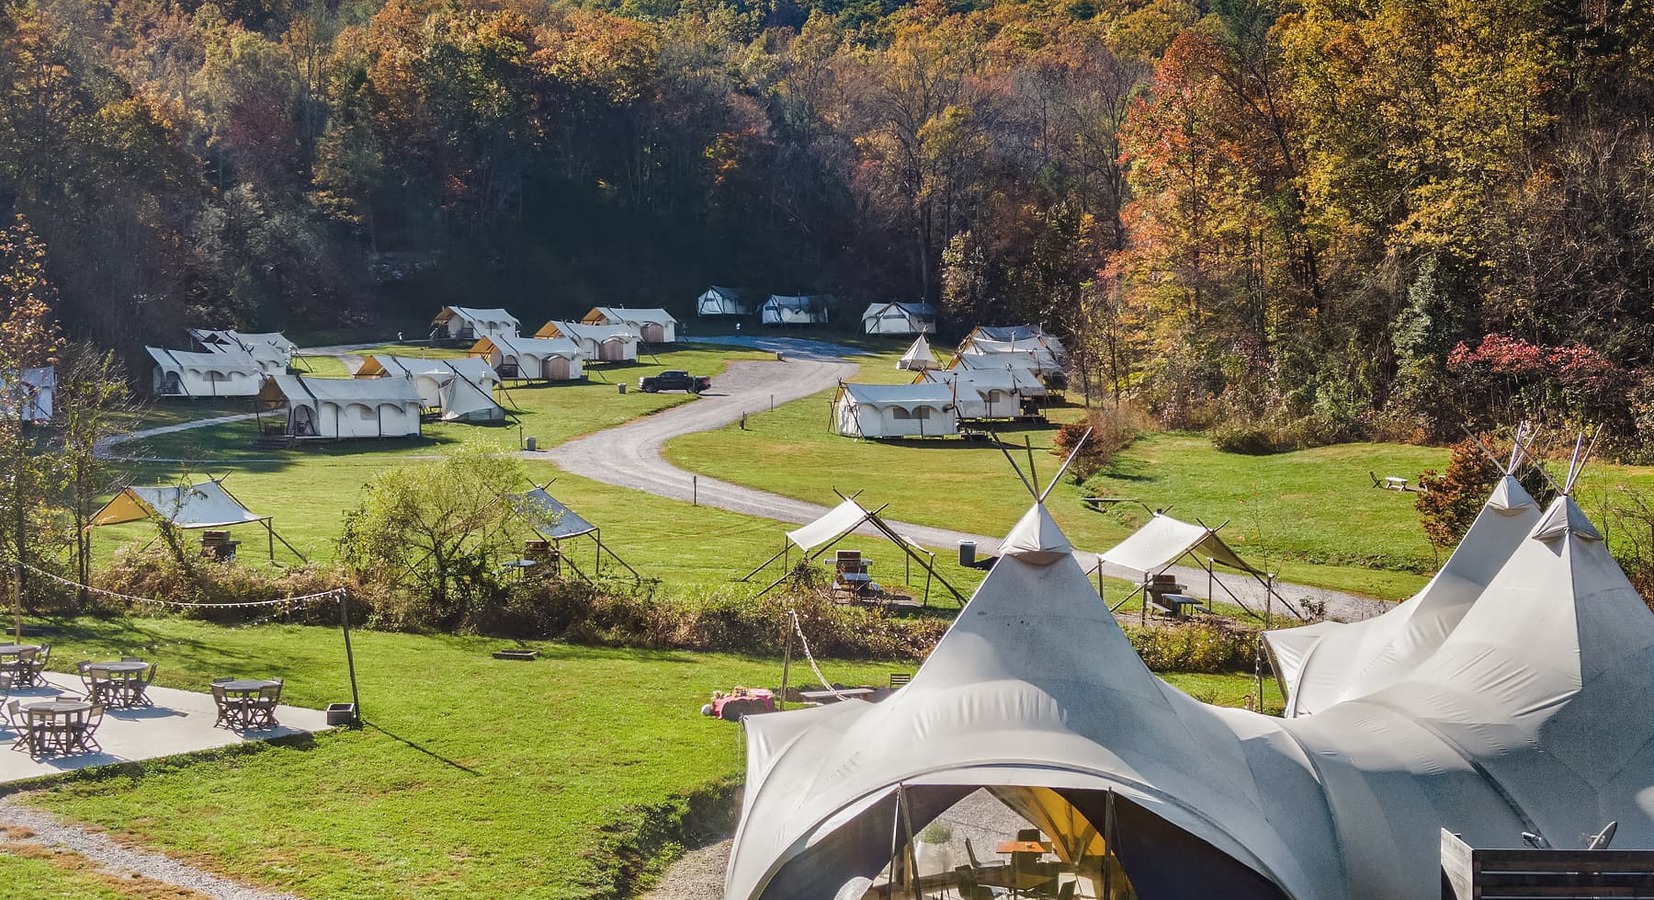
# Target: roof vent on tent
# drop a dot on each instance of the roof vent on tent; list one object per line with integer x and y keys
{"x": 1565, "y": 518}
{"x": 1036, "y": 539}
{"x": 1509, "y": 497}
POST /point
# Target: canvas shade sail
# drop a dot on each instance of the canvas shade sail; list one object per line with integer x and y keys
{"x": 549, "y": 517}
{"x": 1164, "y": 540}
{"x": 204, "y": 505}
{"x": 838, "y": 522}
{"x": 1319, "y": 665}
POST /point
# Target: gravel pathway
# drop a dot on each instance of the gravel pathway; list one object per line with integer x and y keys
{"x": 47, "y": 830}
{"x": 697, "y": 875}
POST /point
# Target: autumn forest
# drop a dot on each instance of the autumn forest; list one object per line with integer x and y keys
{"x": 1293, "y": 222}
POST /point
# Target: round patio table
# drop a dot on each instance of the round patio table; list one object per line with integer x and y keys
{"x": 123, "y": 667}
{"x": 60, "y": 707}
{"x": 56, "y": 737}
{"x": 14, "y": 649}
{"x": 247, "y": 685}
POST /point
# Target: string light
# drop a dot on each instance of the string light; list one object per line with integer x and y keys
{"x": 243, "y": 604}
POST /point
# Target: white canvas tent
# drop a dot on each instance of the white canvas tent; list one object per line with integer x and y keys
{"x": 190, "y": 507}
{"x": 30, "y": 397}
{"x": 533, "y": 359}
{"x": 722, "y": 301}
{"x": 343, "y": 408}
{"x": 1163, "y": 540}
{"x": 434, "y": 380}
{"x": 819, "y": 536}
{"x": 987, "y": 394}
{"x": 652, "y": 326}
{"x": 465, "y": 324}
{"x": 803, "y": 310}
{"x": 918, "y": 357}
{"x": 997, "y": 362}
{"x": 894, "y": 410}
{"x": 600, "y": 343}
{"x": 225, "y": 373}
{"x": 273, "y": 351}
{"x": 555, "y": 522}
{"x": 1321, "y": 664}
{"x": 1529, "y": 718}
{"x": 899, "y": 318}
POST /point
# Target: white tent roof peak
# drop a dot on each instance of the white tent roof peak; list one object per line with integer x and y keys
{"x": 1565, "y": 518}
{"x": 1036, "y": 539}
{"x": 1509, "y": 497}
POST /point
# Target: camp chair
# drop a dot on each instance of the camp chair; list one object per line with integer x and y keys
{"x": 261, "y": 710}
{"x": 81, "y": 730}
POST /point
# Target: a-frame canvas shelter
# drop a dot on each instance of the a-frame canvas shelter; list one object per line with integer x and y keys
{"x": 554, "y": 521}
{"x": 838, "y": 523}
{"x": 918, "y": 357}
{"x": 1163, "y": 541}
{"x": 191, "y": 507}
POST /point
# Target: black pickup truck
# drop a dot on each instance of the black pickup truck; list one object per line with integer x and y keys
{"x": 674, "y": 380}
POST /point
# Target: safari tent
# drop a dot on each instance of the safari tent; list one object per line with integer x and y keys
{"x": 532, "y": 359}
{"x": 987, "y": 394}
{"x": 918, "y": 357}
{"x": 555, "y": 523}
{"x": 899, "y": 318}
{"x": 1030, "y": 342}
{"x": 1526, "y": 725}
{"x": 190, "y": 507}
{"x": 804, "y": 310}
{"x": 272, "y": 349}
{"x": 223, "y": 373}
{"x": 465, "y": 325}
{"x": 722, "y": 301}
{"x": 430, "y": 374}
{"x": 601, "y": 343}
{"x": 894, "y": 410}
{"x": 342, "y": 408}
{"x": 652, "y": 326}
{"x": 30, "y": 397}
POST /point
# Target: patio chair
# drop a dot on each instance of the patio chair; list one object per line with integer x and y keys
{"x": 81, "y": 730}
{"x": 19, "y": 724}
{"x": 22, "y": 671}
{"x": 89, "y": 679}
{"x": 261, "y": 710}
{"x": 231, "y": 710}
{"x": 138, "y": 687}
{"x": 37, "y": 665}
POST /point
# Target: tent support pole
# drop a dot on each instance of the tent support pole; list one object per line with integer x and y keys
{"x": 270, "y": 539}
{"x": 766, "y": 564}
{"x": 786, "y": 659}
{"x": 1108, "y": 847}
{"x": 350, "y": 655}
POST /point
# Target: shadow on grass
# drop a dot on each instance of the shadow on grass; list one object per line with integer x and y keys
{"x": 422, "y": 749}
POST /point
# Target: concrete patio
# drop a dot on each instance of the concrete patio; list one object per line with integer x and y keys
{"x": 178, "y": 722}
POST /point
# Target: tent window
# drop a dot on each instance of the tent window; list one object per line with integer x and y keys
{"x": 364, "y": 413}
{"x": 924, "y": 412}
{"x": 897, "y": 412}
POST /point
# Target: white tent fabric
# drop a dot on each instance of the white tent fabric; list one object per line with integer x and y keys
{"x": 533, "y": 359}
{"x": 652, "y": 326}
{"x": 988, "y": 393}
{"x": 899, "y": 318}
{"x": 549, "y": 517}
{"x": 430, "y": 376}
{"x": 840, "y": 519}
{"x": 463, "y": 401}
{"x": 1033, "y": 686}
{"x": 606, "y": 343}
{"x": 803, "y": 310}
{"x": 918, "y": 357}
{"x": 997, "y": 362}
{"x": 1163, "y": 540}
{"x": 345, "y": 408}
{"x": 1322, "y": 664}
{"x": 204, "y": 505}
{"x": 30, "y": 397}
{"x": 722, "y": 301}
{"x": 894, "y": 410}
{"x": 467, "y": 323}
{"x": 272, "y": 349}
{"x": 1530, "y": 716}
{"x": 227, "y": 373}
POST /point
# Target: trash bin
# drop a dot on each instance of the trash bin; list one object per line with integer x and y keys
{"x": 532, "y": 443}
{"x": 622, "y": 387}
{"x": 780, "y": 357}
{"x": 341, "y": 714}
{"x": 967, "y": 554}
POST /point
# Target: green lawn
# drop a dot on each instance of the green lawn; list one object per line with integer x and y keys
{"x": 474, "y": 777}
{"x": 31, "y": 872}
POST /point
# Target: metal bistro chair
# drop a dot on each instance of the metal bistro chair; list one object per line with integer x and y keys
{"x": 261, "y": 710}
{"x": 19, "y": 724}
{"x": 36, "y": 668}
{"x": 138, "y": 687}
{"x": 82, "y": 729}
{"x": 22, "y": 668}
{"x": 96, "y": 688}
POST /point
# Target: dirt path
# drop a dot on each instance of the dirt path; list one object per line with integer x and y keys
{"x": 630, "y": 456}
{"x": 25, "y": 825}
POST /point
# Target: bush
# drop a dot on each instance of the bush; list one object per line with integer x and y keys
{"x": 1113, "y": 428}
{"x": 1207, "y": 647}
{"x": 1272, "y": 434}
